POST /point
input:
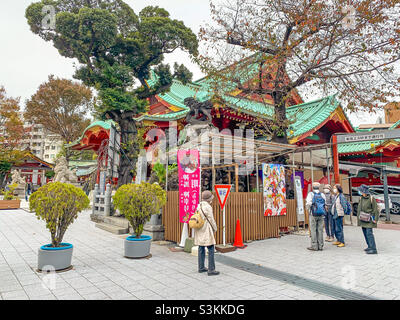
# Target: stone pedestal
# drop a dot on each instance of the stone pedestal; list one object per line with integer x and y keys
{"x": 189, "y": 244}
{"x": 224, "y": 249}
{"x": 20, "y": 192}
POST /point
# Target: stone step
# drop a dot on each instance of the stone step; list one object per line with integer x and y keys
{"x": 111, "y": 228}
{"x": 117, "y": 221}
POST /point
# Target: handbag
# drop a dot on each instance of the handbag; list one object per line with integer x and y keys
{"x": 196, "y": 221}
{"x": 365, "y": 216}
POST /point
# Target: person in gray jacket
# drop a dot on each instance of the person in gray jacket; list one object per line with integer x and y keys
{"x": 329, "y": 223}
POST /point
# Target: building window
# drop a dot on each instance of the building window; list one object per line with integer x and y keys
{"x": 53, "y": 147}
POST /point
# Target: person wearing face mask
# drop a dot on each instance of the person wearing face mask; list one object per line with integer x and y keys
{"x": 329, "y": 223}
{"x": 339, "y": 204}
{"x": 315, "y": 204}
{"x": 367, "y": 217}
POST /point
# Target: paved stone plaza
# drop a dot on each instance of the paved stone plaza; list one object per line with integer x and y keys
{"x": 101, "y": 272}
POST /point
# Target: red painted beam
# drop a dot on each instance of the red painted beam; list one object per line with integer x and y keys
{"x": 335, "y": 155}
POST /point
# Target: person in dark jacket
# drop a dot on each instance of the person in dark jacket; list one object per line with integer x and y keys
{"x": 368, "y": 204}
{"x": 329, "y": 223}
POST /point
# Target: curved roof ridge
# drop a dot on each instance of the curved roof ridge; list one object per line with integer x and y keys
{"x": 105, "y": 124}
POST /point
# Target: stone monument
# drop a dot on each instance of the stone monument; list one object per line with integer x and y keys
{"x": 19, "y": 181}
{"x": 63, "y": 173}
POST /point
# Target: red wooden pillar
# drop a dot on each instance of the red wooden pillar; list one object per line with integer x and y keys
{"x": 335, "y": 156}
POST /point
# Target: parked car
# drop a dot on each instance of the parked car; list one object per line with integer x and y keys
{"x": 394, "y": 195}
{"x": 377, "y": 193}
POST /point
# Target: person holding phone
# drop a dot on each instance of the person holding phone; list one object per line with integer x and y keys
{"x": 367, "y": 217}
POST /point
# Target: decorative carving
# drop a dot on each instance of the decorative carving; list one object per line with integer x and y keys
{"x": 200, "y": 112}
{"x": 63, "y": 174}
{"x": 17, "y": 179}
{"x": 198, "y": 120}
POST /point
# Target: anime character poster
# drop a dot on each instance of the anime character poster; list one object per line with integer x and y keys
{"x": 274, "y": 188}
{"x": 189, "y": 183}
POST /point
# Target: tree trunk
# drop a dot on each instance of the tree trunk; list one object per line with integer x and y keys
{"x": 2, "y": 181}
{"x": 129, "y": 151}
{"x": 280, "y": 134}
{"x": 68, "y": 154}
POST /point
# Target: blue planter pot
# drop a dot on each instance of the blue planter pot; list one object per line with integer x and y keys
{"x": 57, "y": 259}
{"x": 137, "y": 247}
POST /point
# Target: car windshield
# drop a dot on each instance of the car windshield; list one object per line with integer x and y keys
{"x": 374, "y": 192}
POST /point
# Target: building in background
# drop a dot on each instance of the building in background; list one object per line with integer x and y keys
{"x": 42, "y": 143}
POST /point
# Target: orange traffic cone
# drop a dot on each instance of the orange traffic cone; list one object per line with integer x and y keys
{"x": 238, "y": 237}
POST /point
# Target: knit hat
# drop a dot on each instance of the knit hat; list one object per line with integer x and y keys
{"x": 207, "y": 196}
{"x": 316, "y": 185}
{"x": 364, "y": 189}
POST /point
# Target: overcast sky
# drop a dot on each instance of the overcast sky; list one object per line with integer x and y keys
{"x": 27, "y": 60}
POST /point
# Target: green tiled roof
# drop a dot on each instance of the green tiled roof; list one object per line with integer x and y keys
{"x": 361, "y": 146}
{"x": 248, "y": 106}
{"x": 201, "y": 90}
{"x": 306, "y": 116}
{"x": 175, "y": 96}
{"x": 104, "y": 124}
{"x": 309, "y": 115}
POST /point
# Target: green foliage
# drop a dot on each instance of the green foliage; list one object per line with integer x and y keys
{"x": 117, "y": 50}
{"x": 137, "y": 202}
{"x": 160, "y": 172}
{"x": 50, "y": 174}
{"x": 9, "y": 195}
{"x": 58, "y": 204}
{"x": 5, "y": 167}
{"x": 182, "y": 73}
{"x": 114, "y": 46}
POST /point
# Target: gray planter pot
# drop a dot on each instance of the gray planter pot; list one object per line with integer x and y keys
{"x": 55, "y": 258}
{"x": 137, "y": 248}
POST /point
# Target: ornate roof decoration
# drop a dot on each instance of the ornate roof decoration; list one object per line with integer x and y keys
{"x": 98, "y": 130}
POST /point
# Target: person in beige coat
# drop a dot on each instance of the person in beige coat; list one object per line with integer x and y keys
{"x": 204, "y": 237}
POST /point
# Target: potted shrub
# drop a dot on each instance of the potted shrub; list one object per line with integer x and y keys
{"x": 137, "y": 202}
{"x": 58, "y": 204}
{"x": 10, "y": 201}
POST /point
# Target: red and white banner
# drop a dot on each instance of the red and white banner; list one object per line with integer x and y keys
{"x": 189, "y": 183}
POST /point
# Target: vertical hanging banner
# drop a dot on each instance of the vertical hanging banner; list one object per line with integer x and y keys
{"x": 274, "y": 189}
{"x": 299, "y": 199}
{"x": 189, "y": 183}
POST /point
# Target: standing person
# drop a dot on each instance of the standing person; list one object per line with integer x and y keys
{"x": 28, "y": 190}
{"x": 338, "y": 214}
{"x": 329, "y": 223}
{"x": 367, "y": 205}
{"x": 204, "y": 237}
{"x": 315, "y": 204}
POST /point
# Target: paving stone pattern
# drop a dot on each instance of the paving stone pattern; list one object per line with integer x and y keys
{"x": 102, "y": 273}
